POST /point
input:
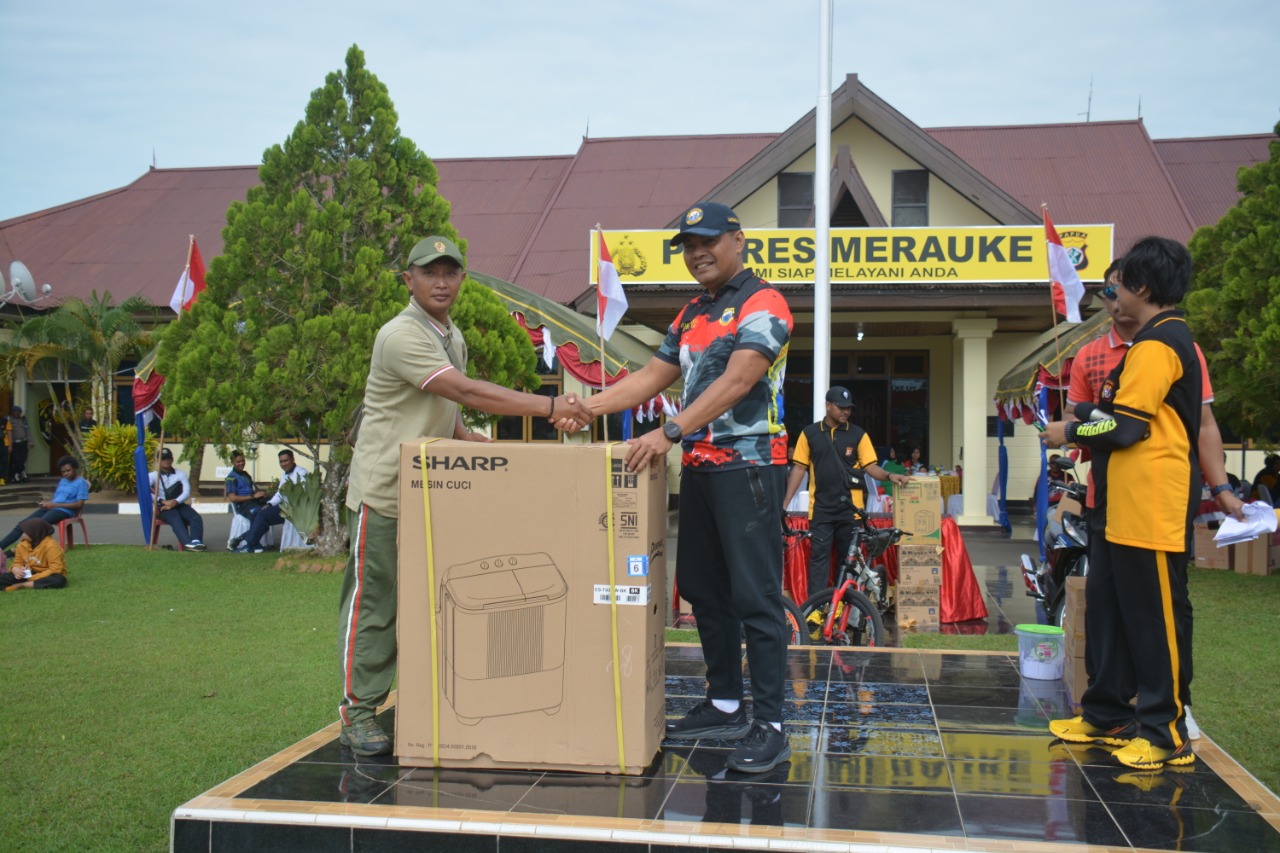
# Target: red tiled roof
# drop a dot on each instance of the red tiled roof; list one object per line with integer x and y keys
{"x": 498, "y": 204}
{"x": 527, "y": 219}
{"x": 632, "y": 182}
{"x": 1090, "y": 172}
{"x": 1204, "y": 170}
{"x": 128, "y": 241}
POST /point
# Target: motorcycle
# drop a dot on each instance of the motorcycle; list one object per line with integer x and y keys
{"x": 1066, "y": 553}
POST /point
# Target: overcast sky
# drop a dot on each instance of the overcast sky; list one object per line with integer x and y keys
{"x": 88, "y": 90}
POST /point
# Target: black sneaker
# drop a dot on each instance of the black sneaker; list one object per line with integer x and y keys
{"x": 706, "y": 720}
{"x": 764, "y": 749}
{"x": 234, "y": 543}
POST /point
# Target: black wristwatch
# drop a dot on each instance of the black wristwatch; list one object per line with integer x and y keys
{"x": 1217, "y": 490}
{"x": 672, "y": 431}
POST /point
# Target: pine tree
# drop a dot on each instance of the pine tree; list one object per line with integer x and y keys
{"x": 1234, "y": 308}
{"x": 277, "y": 348}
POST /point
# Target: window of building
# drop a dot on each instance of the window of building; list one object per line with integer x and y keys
{"x": 512, "y": 428}
{"x": 890, "y": 395}
{"x": 993, "y": 427}
{"x": 795, "y": 199}
{"x": 910, "y": 198}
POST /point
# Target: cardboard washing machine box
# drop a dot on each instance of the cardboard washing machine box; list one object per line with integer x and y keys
{"x": 523, "y": 647}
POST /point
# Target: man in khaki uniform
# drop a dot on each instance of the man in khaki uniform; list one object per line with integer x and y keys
{"x": 417, "y": 381}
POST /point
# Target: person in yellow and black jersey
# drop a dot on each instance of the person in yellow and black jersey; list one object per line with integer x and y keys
{"x": 1143, "y": 437}
{"x": 838, "y": 457}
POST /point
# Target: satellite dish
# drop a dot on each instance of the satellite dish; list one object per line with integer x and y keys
{"x": 23, "y": 283}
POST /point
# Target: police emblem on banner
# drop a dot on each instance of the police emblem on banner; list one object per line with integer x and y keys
{"x": 1077, "y": 245}
{"x": 628, "y": 259}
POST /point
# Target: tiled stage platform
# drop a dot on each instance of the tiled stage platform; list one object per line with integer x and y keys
{"x": 892, "y": 750}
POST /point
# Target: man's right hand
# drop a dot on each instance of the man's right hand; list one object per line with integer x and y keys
{"x": 573, "y": 413}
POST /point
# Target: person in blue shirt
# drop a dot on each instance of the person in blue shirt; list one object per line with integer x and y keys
{"x": 244, "y": 495}
{"x": 68, "y": 499}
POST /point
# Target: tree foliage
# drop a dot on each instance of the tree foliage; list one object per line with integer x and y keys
{"x": 94, "y": 335}
{"x": 277, "y": 348}
{"x": 1234, "y": 307}
{"x": 498, "y": 350}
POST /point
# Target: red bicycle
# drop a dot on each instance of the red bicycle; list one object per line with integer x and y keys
{"x": 849, "y": 613}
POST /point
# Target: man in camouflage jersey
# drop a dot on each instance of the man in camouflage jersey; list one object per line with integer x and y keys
{"x": 730, "y": 345}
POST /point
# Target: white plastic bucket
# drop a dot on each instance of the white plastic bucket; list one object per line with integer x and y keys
{"x": 1040, "y": 651}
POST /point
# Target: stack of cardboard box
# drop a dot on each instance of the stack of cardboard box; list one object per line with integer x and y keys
{"x": 1208, "y": 554}
{"x": 535, "y": 661}
{"x": 1074, "y": 640}
{"x": 917, "y": 510}
{"x": 1257, "y": 557}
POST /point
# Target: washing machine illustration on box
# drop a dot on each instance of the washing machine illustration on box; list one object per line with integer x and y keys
{"x": 502, "y": 626}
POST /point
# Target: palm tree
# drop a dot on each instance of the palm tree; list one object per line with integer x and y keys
{"x": 94, "y": 335}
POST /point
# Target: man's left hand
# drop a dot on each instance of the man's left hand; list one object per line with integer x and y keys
{"x": 1230, "y": 505}
{"x": 1055, "y": 434}
{"x": 645, "y": 449}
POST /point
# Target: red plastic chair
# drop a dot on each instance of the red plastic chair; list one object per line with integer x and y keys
{"x": 156, "y": 524}
{"x": 66, "y": 531}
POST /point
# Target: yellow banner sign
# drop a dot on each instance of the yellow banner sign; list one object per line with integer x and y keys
{"x": 1010, "y": 254}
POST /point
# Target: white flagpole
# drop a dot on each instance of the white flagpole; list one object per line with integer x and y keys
{"x": 604, "y": 422}
{"x": 822, "y": 218}
{"x": 186, "y": 271}
{"x": 1053, "y": 312}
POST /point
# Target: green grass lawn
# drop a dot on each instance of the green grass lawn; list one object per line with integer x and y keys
{"x": 147, "y": 680}
{"x": 154, "y": 676}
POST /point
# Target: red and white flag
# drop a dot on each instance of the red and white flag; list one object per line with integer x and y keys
{"x": 1067, "y": 288}
{"x": 191, "y": 283}
{"x": 611, "y": 300}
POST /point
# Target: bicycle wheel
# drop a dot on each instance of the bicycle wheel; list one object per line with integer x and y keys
{"x": 864, "y": 628}
{"x": 795, "y": 623}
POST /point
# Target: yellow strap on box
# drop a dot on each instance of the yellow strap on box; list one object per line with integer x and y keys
{"x": 613, "y": 603}
{"x": 431, "y": 603}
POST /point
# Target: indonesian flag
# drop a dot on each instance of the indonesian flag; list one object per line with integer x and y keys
{"x": 1067, "y": 289}
{"x": 611, "y": 301}
{"x": 191, "y": 283}
{"x": 146, "y": 389}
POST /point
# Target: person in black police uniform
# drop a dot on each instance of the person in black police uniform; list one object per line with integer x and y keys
{"x": 838, "y": 456}
{"x": 730, "y": 345}
{"x": 1144, "y": 431}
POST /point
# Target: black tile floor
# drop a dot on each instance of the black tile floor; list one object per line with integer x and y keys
{"x": 890, "y": 749}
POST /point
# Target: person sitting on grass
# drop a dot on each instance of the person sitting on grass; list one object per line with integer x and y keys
{"x": 68, "y": 499}
{"x": 39, "y": 561}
